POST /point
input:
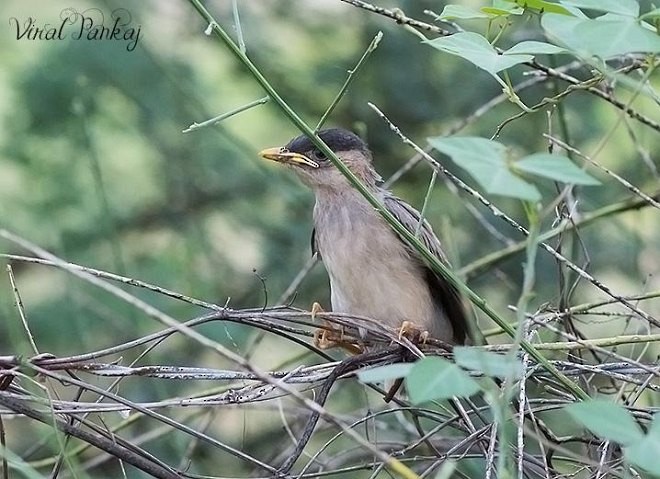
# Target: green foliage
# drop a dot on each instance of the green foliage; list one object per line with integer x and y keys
{"x": 607, "y": 420}
{"x": 447, "y": 470}
{"x": 453, "y": 12}
{"x": 384, "y": 373}
{"x": 541, "y": 6}
{"x": 506, "y": 8}
{"x": 604, "y": 38}
{"x": 534, "y": 48}
{"x": 614, "y": 423}
{"x": 617, "y": 33}
{"x": 488, "y": 162}
{"x": 652, "y": 14}
{"x": 436, "y": 378}
{"x": 433, "y": 378}
{"x": 618, "y": 7}
{"x": 477, "y": 50}
{"x": 646, "y": 452}
{"x": 487, "y": 363}
{"x": 554, "y": 167}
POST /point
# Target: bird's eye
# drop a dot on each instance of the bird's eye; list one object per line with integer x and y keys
{"x": 319, "y": 155}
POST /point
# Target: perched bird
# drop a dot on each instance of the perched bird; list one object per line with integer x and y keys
{"x": 373, "y": 271}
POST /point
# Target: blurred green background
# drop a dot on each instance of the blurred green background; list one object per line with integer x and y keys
{"x": 94, "y": 166}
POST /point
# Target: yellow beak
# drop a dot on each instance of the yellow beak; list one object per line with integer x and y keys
{"x": 281, "y": 155}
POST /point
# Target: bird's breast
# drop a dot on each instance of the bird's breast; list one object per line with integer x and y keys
{"x": 371, "y": 271}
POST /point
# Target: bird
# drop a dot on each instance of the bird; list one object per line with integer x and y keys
{"x": 373, "y": 271}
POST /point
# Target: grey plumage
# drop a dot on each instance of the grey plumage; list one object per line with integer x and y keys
{"x": 373, "y": 272}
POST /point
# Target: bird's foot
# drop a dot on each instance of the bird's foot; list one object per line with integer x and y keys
{"x": 331, "y": 336}
{"x": 413, "y": 333}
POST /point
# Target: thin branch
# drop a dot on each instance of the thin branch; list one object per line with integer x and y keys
{"x": 21, "y": 309}
{"x": 224, "y": 116}
{"x": 108, "y": 445}
{"x": 352, "y": 74}
{"x": 632, "y": 188}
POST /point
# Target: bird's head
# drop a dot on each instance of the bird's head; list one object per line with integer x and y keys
{"x": 316, "y": 170}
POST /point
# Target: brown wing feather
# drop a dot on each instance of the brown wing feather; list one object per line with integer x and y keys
{"x": 444, "y": 293}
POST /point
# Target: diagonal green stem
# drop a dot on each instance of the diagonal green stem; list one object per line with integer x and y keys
{"x": 433, "y": 262}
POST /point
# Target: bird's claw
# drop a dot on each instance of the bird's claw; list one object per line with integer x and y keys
{"x": 327, "y": 339}
{"x": 411, "y": 332}
{"x": 316, "y": 308}
{"x": 331, "y": 336}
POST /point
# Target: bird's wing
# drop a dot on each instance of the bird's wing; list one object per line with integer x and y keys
{"x": 410, "y": 218}
{"x": 444, "y": 293}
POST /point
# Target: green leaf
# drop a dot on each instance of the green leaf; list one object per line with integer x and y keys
{"x": 447, "y": 470}
{"x": 601, "y": 38}
{"x": 435, "y": 378}
{"x": 654, "y": 430}
{"x": 555, "y": 167}
{"x": 652, "y": 14}
{"x": 534, "y": 48}
{"x": 500, "y": 12}
{"x": 646, "y": 452}
{"x": 451, "y": 12}
{"x": 542, "y": 5}
{"x": 384, "y": 373}
{"x": 503, "y": 8}
{"x": 619, "y": 7}
{"x": 488, "y": 363}
{"x": 476, "y": 49}
{"x": 485, "y": 161}
{"x": 607, "y": 420}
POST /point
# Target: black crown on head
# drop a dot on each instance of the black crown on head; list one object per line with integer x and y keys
{"x": 337, "y": 139}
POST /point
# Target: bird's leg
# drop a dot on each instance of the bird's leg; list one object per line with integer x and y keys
{"x": 389, "y": 395}
{"x": 416, "y": 336}
{"x": 322, "y": 335}
{"x": 330, "y": 336}
{"x": 413, "y": 333}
